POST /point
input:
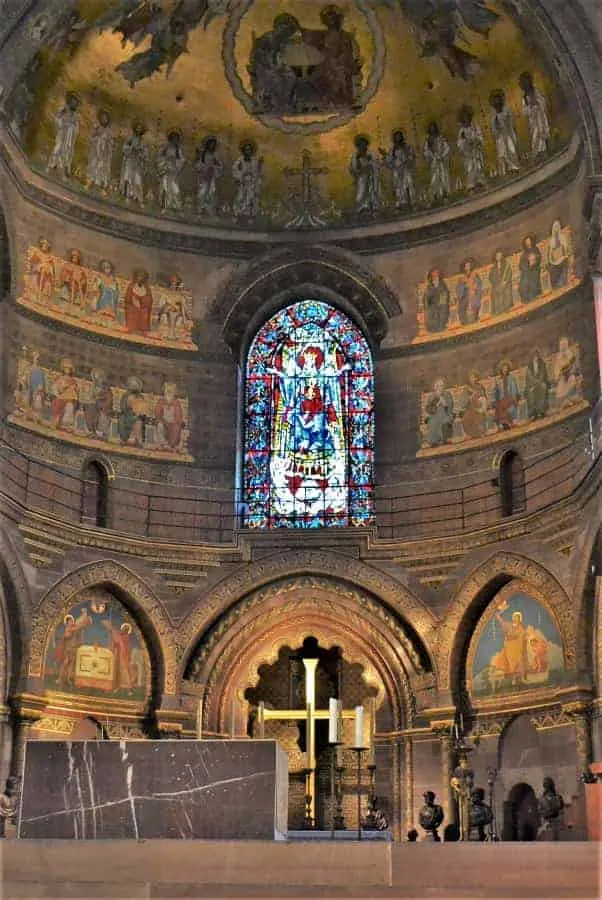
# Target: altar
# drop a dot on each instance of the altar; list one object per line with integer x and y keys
{"x": 183, "y": 789}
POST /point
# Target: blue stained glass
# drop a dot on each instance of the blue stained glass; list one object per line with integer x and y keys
{"x": 309, "y": 422}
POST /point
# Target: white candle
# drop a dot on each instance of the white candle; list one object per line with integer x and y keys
{"x": 359, "y": 726}
{"x": 372, "y": 749}
{"x": 199, "y": 720}
{"x": 333, "y": 721}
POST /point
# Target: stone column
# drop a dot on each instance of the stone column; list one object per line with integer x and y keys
{"x": 408, "y": 805}
{"x": 22, "y": 724}
{"x": 579, "y": 712}
{"x": 6, "y": 740}
{"x": 443, "y": 731}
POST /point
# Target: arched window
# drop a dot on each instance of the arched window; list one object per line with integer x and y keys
{"x": 95, "y": 494}
{"x": 512, "y": 484}
{"x": 309, "y": 422}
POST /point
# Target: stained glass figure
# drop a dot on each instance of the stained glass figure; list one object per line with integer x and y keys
{"x": 309, "y": 423}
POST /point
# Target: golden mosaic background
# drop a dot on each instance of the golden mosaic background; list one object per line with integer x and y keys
{"x": 198, "y": 99}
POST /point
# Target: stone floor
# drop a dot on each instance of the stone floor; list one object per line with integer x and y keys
{"x": 220, "y": 869}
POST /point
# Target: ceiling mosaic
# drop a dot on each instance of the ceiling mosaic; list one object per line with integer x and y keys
{"x": 284, "y": 115}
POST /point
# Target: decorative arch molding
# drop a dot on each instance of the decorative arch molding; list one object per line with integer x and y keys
{"x": 134, "y": 593}
{"x": 351, "y": 577}
{"x": 283, "y": 614}
{"x": 584, "y": 587}
{"x": 16, "y": 611}
{"x": 297, "y": 273}
{"x": 473, "y": 596}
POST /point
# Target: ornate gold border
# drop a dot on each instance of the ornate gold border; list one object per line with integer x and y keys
{"x": 154, "y": 625}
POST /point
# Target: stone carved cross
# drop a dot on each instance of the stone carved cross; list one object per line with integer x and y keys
{"x": 307, "y": 218}
{"x": 310, "y": 714}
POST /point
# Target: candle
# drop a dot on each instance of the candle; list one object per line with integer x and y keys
{"x": 372, "y": 749}
{"x": 333, "y": 721}
{"x": 462, "y": 723}
{"x": 199, "y": 720}
{"x": 359, "y": 726}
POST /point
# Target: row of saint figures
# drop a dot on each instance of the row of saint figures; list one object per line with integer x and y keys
{"x": 155, "y": 176}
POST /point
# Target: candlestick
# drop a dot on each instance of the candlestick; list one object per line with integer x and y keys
{"x": 199, "y": 720}
{"x": 358, "y": 751}
{"x": 333, "y": 721}
{"x": 359, "y": 726}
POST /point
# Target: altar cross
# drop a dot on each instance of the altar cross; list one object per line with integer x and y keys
{"x": 307, "y": 216}
{"x": 310, "y": 714}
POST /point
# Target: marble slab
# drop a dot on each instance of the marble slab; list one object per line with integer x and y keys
{"x": 211, "y": 790}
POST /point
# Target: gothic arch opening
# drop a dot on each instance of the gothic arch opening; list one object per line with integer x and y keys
{"x": 250, "y": 656}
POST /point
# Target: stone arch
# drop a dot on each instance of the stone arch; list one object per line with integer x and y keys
{"x": 135, "y": 594}
{"x": 277, "y": 279}
{"x": 283, "y": 613}
{"x": 474, "y": 595}
{"x": 587, "y": 568}
{"x": 15, "y": 614}
{"x": 393, "y": 598}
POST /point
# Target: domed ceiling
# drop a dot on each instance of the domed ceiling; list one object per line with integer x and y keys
{"x": 300, "y": 82}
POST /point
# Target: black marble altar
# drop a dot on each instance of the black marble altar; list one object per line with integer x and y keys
{"x": 154, "y": 789}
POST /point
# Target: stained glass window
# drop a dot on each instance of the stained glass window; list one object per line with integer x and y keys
{"x": 309, "y": 422}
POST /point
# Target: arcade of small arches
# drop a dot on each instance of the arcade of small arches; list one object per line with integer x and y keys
{"x": 375, "y": 640}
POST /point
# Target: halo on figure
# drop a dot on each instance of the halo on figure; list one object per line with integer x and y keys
{"x": 103, "y": 111}
{"x": 98, "y": 375}
{"x": 494, "y": 96}
{"x": 331, "y": 10}
{"x": 67, "y": 363}
{"x": 138, "y": 127}
{"x": 74, "y": 251}
{"x": 310, "y": 350}
{"x": 474, "y": 374}
{"x": 505, "y": 363}
{"x": 140, "y": 272}
{"x": 134, "y": 384}
{"x": 361, "y": 139}
{"x": 283, "y": 20}
{"x": 106, "y": 264}
{"x": 173, "y": 133}
{"x": 69, "y": 619}
{"x": 247, "y": 142}
{"x": 517, "y": 616}
{"x": 465, "y": 114}
{"x": 396, "y": 132}
{"x": 126, "y": 628}
{"x": 71, "y": 95}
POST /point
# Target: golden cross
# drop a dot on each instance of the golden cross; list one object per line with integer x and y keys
{"x": 309, "y": 714}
